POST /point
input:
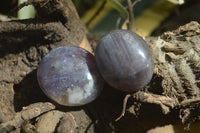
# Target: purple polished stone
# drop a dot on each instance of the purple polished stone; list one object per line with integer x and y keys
{"x": 124, "y": 60}
{"x": 69, "y": 76}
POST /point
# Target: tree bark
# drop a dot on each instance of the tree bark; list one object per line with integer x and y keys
{"x": 171, "y": 97}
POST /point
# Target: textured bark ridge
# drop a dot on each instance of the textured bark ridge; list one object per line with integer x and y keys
{"x": 177, "y": 55}
{"x": 178, "y": 58}
{"x": 172, "y": 96}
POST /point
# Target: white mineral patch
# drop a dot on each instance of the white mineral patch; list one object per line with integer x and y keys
{"x": 79, "y": 95}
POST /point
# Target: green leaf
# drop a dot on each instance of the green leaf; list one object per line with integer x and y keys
{"x": 26, "y": 12}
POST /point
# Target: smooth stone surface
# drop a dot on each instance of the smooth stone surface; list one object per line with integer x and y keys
{"x": 69, "y": 76}
{"x": 124, "y": 60}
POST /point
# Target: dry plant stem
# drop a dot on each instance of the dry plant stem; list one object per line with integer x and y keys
{"x": 163, "y": 101}
{"x": 96, "y": 13}
{"x": 124, "y": 107}
{"x": 189, "y": 102}
{"x": 27, "y": 113}
{"x": 131, "y": 23}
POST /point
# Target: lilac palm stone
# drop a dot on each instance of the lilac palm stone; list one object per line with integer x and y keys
{"x": 124, "y": 60}
{"x": 69, "y": 76}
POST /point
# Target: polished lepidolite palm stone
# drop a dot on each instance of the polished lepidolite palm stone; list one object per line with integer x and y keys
{"x": 69, "y": 76}
{"x": 124, "y": 60}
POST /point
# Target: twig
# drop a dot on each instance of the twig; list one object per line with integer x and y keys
{"x": 189, "y": 102}
{"x": 131, "y": 24}
{"x": 27, "y": 113}
{"x": 163, "y": 101}
{"x": 124, "y": 107}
